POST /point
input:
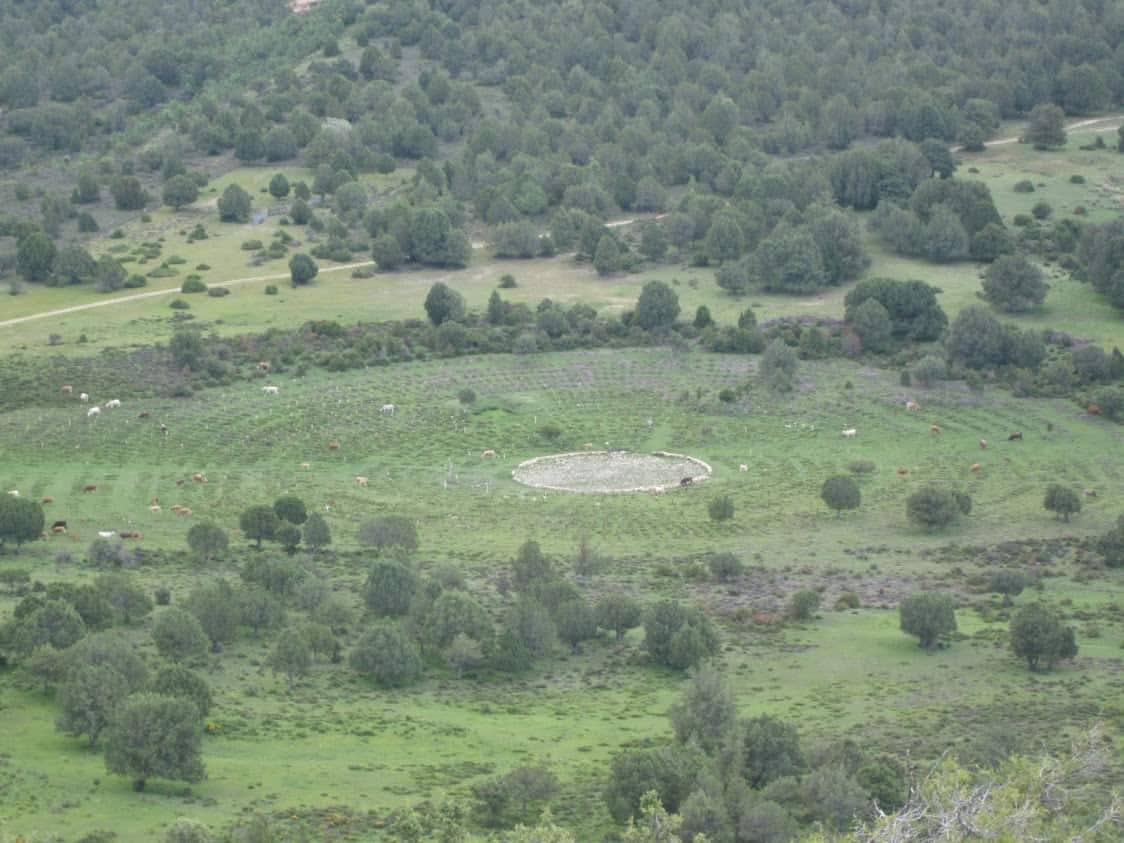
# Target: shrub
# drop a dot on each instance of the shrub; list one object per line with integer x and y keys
{"x": 550, "y": 431}
{"x": 162, "y": 595}
{"x": 847, "y": 600}
{"x": 1042, "y": 210}
{"x": 1024, "y": 186}
{"x": 218, "y": 292}
{"x": 1077, "y": 179}
{"x": 251, "y": 245}
{"x": 193, "y": 285}
{"x": 927, "y": 616}
{"x": 179, "y": 304}
{"x": 721, "y": 508}
{"x": 467, "y": 396}
{"x": 271, "y": 289}
{"x": 804, "y": 604}
{"x": 725, "y": 567}
{"x": 862, "y": 467}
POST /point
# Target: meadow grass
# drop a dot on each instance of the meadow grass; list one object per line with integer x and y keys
{"x": 335, "y": 741}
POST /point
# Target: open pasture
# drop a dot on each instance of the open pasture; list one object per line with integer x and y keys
{"x": 335, "y": 741}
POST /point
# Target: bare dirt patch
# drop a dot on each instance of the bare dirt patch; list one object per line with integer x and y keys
{"x": 611, "y": 472}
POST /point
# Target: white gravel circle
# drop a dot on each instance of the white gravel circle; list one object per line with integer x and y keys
{"x": 611, "y": 472}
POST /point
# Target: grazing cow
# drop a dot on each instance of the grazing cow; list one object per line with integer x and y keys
{"x": 107, "y": 534}
{"x": 656, "y": 491}
{"x": 936, "y": 428}
{"x": 199, "y": 477}
{"x": 903, "y": 471}
{"x": 975, "y": 467}
{"x": 334, "y": 445}
{"x": 743, "y": 467}
{"x": 15, "y": 493}
{"x": 132, "y": 534}
{"x": 1090, "y": 493}
{"x": 164, "y": 428}
{"x": 305, "y": 466}
{"x": 155, "y": 508}
{"x": 90, "y": 487}
{"x": 93, "y": 412}
{"x": 176, "y": 508}
{"x": 68, "y": 390}
{"x": 144, "y": 415}
{"x": 686, "y": 481}
{"x": 184, "y": 510}
{"x": 155, "y": 500}
{"x": 1015, "y": 437}
{"x": 487, "y": 455}
{"x": 983, "y": 444}
{"x": 387, "y": 409}
{"x": 270, "y": 390}
{"x": 58, "y": 525}
{"x": 47, "y": 499}
{"x": 360, "y": 480}
{"x": 263, "y": 366}
{"x": 1093, "y": 410}
{"x": 84, "y": 398}
{"x": 912, "y": 406}
{"x": 850, "y": 434}
{"x": 588, "y": 446}
{"x": 112, "y": 404}
{"x": 59, "y": 529}
{"x": 180, "y": 482}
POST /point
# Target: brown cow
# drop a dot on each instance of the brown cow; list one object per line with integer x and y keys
{"x": 334, "y": 445}
{"x": 903, "y": 471}
{"x": 58, "y": 531}
{"x": 131, "y": 534}
{"x": 144, "y": 415}
{"x": 983, "y": 444}
{"x": 975, "y": 467}
{"x": 185, "y": 510}
{"x": 67, "y": 389}
{"x": 180, "y": 482}
{"x": 199, "y": 477}
{"x": 360, "y": 480}
{"x": 155, "y": 508}
{"x": 487, "y": 455}
{"x": 47, "y": 499}
{"x": 912, "y": 406}
{"x": 1093, "y": 410}
{"x": 936, "y": 428}
{"x": 90, "y": 487}
{"x": 1090, "y": 493}
{"x": 263, "y": 366}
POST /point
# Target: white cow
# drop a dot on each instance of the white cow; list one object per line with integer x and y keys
{"x": 84, "y": 398}
{"x": 107, "y": 534}
{"x": 270, "y": 390}
{"x": 850, "y": 434}
{"x": 15, "y": 493}
{"x": 93, "y": 412}
{"x": 360, "y": 480}
{"x": 743, "y": 467}
{"x": 387, "y": 409}
{"x": 112, "y": 404}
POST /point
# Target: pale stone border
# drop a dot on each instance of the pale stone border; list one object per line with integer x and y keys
{"x": 657, "y": 489}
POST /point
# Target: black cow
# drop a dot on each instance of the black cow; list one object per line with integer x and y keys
{"x": 1015, "y": 437}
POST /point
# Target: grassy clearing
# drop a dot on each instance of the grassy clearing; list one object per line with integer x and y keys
{"x": 335, "y": 741}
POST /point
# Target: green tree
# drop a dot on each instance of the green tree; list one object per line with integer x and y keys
{"x": 1062, "y": 501}
{"x": 109, "y": 649}
{"x": 936, "y": 152}
{"x": 55, "y": 622}
{"x": 1015, "y": 285}
{"x": 387, "y": 252}
{"x": 128, "y": 600}
{"x": 607, "y": 256}
{"x": 280, "y": 144}
{"x": 788, "y": 261}
{"x": 1111, "y": 545}
{"x": 912, "y": 306}
{"x": 279, "y": 186}
{"x": 110, "y": 275}
{"x": 576, "y": 622}
{"x": 1046, "y": 127}
{"x": 533, "y": 628}
{"x": 46, "y": 664}
{"x": 290, "y": 508}
{"x": 388, "y": 655}
{"x": 871, "y": 322}
{"x": 706, "y": 713}
{"x": 444, "y": 304}
{"x": 725, "y": 239}
{"x": 944, "y": 237}
{"x": 73, "y": 265}
{"x": 1037, "y": 635}
{"x": 207, "y": 539}
{"x": 778, "y": 366}
{"x": 180, "y": 191}
{"x": 128, "y": 194}
{"x": 178, "y": 681}
{"x": 179, "y": 636}
{"x": 35, "y": 256}
{"x": 89, "y": 698}
{"x": 454, "y": 613}
{"x": 669, "y": 771}
{"x": 88, "y": 189}
{"x": 258, "y": 523}
{"x": 235, "y": 205}
{"x": 770, "y": 750}
{"x": 390, "y": 588}
{"x": 259, "y": 609}
{"x": 185, "y": 830}
{"x": 21, "y": 520}
{"x": 217, "y": 610}
{"x": 840, "y": 493}
{"x": 657, "y": 307}
{"x": 155, "y": 736}
{"x": 302, "y": 269}
{"x": 291, "y": 655}
{"x": 933, "y": 507}
{"x": 300, "y": 212}
{"x": 676, "y": 636}
{"x": 927, "y": 616}
{"x": 389, "y": 532}
{"x": 463, "y": 653}
{"x": 317, "y": 535}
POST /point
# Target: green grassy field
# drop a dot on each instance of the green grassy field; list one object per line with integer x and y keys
{"x": 304, "y": 756}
